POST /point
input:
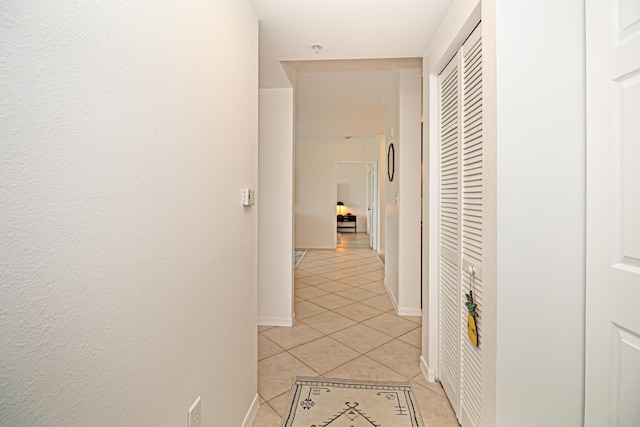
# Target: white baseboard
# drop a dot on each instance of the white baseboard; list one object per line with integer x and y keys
{"x": 275, "y": 321}
{"x": 401, "y": 311}
{"x": 306, "y": 247}
{"x": 409, "y": 311}
{"x": 252, "y": 412}
{"x": 429, "y": 374}
{"x": 391, "y": 296}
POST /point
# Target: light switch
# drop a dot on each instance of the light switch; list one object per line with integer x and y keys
{"x": 248, "y": 197}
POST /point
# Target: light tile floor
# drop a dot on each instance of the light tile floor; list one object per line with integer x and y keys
{"x": 345, "y": 328}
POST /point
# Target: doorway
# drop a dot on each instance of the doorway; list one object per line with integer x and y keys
{"x": 357, "y": 195}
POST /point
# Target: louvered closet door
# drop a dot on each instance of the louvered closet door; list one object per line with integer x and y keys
{"x": 472, "y": 231}
{"x": 461, "y": 232}
{"x": 449, "y": 321}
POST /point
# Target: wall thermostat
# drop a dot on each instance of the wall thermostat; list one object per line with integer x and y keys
{"x": 248, "y": 197}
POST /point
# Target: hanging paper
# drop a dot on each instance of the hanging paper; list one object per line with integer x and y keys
{"x": 472, "y": 329}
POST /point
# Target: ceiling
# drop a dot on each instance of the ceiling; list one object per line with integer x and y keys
{"x": 347, "y": 29}
{"x": 340, "y": 90}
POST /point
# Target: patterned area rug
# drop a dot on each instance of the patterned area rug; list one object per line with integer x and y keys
{"x": 322, "y": 402}
{"x": 297, "y": 257}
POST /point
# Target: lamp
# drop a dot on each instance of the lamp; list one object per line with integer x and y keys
{"x": 340, "y": 205}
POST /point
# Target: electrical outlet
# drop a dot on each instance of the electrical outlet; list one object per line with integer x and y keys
{"x": 195, "y": 414}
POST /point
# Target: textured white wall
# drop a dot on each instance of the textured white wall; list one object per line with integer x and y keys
{"x": 409, "y": 162}
{"x": 334, "y": 103}
{"x": 127, "y": 262}
{"x": 541, "y": 212}
{"x": 275, "y": 236}
{"x": 402, "y": 221}
{"x": 315, "y": 187}
{"x": 391, "y": 209}
{"x": 352, "y": 191}
{"x": 382, "y": 187}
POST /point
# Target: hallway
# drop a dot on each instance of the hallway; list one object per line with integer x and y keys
{"x": 345, "y": 328}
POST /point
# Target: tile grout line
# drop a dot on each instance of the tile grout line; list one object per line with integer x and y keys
{"x": 325, "y": 265}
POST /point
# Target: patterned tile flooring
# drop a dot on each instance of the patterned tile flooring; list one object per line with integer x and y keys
{"x": 345, "y": 328}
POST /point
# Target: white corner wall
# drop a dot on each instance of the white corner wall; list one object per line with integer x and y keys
{"x": 128, "y": 263}
{"x": 409, "y": 162}
{"x": 392, "y": 190}
{"x": 316, "y": 186}
{"x": 541, "y": 212}
{"x": 275, "y": 204}
{"x": 382, "y": 191}
{"x": 402, "y": 195}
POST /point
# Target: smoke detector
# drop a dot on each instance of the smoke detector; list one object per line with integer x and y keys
{"x": 317, "y": 47}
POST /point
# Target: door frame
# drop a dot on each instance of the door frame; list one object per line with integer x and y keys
{"x": 373, "y": 164}
{"x": 431, "y": 217}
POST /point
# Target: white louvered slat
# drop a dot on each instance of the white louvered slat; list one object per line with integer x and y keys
{"x": 449, "y": 322}
{"x": 472, "y": 230}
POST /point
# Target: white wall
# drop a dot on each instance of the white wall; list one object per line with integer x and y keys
{"x": 533, "y": 273}
{"x": 382, "y": 191}
{"x": 541, "y": 212}
{"x": 333, "y": 103}
{"x": 315, "y": 187}
{"x": 392, "y": 190}
{"x": 128, "y": 131}
{"x": 409, "y": 116}
{"x": 402, "y": 219}
{"x": 275, "y": 205}
{"x": 352, "y": 187}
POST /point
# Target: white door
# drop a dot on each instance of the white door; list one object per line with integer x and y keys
{"x": 461, "y": 228}
{"x": 612, "y": 377}
{"x": 472, "y": 235}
